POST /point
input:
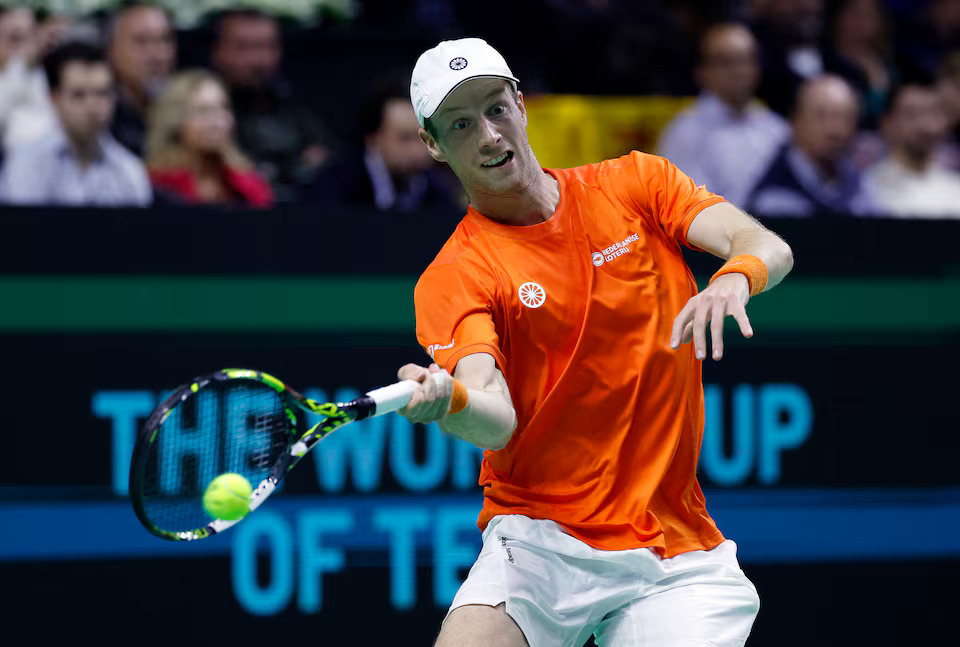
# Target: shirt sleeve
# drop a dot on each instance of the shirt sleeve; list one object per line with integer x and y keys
{"x": 456, "y": 306}
{"x": 663, "y": 193}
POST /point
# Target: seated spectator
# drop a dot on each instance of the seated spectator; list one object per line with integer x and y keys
{"x": 813, "y": 173}
{"x": 80, "y": 163}
{"x": 25, "y": 110}
{"x": 286, "y": 141}
{"x": 142, "y": 49}
{"x": 790, "y": 36}
{"x": 859, "y": 52}
{"x": 726, "y": 138}
{"x": 191, "y": 153}
{"x": 393, "y": 170}
{"x": 910, "y": 182}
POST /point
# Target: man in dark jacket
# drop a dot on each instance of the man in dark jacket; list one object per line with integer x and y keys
{"x": 393, "y": 171}
{"x": 286, "y": 141}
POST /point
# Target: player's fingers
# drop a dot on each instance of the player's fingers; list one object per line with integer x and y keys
{"x": 717, "y": 317}
{"x": 442, "y": 391}
{"x": 687, "y": 333}
{"x": 700, "y": 328}
{"x": 740, "y": 315}
{"x": 412, "y": 372}
{"x": 679, "y": 325}
{"x": 419, "y": 407}
{"x": 411, "y": 411}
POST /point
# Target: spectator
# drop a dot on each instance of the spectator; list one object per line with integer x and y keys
{"x": 80, "y": 163}
{"x": 813, "y": 173}
{"x": 860, "y": 53}
{"x": 142, "y": 48}
{"x": 725, "y": 139}
{"x": 191, "y": 153}
{"x": 25, "y": 109}
{"x": 789, "y": 33}
{"x": 286, "y": 141}
{"x": 910, "y": 182}
{"x": 393, "y": 170}
{"x": 926, "y": 32}
{"x": 948, "y": 88}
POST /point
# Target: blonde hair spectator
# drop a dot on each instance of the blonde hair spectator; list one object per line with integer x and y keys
{"x": 191, "y": 151}
{"x": 165, "y": 147}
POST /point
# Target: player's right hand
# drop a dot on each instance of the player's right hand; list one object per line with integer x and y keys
{"x": 431, "y": 400}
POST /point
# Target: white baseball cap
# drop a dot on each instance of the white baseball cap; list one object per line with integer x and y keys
{"x": 441, "y": 70}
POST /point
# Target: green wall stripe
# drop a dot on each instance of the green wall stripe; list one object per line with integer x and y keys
{"x": 385, "y": 304}
{"x": 827, "y": 305}
{"x": 195, "y": 303}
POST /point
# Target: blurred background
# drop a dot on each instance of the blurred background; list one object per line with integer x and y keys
{"x": 187, "y": 186}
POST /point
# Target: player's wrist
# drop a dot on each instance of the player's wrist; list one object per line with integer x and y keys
{"x": 460, "y": 398}
{"x": 751, "y": 267}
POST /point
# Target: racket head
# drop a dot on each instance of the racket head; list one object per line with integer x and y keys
{"x": 233, "y": 420}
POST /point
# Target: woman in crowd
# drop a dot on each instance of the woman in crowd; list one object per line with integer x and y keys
{"x": 191, "y": 154}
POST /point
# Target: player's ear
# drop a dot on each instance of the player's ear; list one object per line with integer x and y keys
{"x": 432, "y": 145}
{"x": 521, "y": 107}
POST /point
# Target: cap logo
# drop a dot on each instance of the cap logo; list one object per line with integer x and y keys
{"x": 458, "y": 63}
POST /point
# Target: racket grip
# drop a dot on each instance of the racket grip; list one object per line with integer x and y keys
{"x": 393, "y": 397}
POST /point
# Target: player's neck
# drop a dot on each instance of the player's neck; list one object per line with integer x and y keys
{"x": 533, "y": 204}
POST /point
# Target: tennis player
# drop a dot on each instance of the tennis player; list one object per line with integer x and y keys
{"x": 562, "y": 306}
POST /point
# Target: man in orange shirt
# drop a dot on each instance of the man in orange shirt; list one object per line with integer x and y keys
{"x": 556, "y": 315}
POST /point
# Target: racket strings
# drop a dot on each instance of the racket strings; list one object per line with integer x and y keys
{"x": 239, "y": 426}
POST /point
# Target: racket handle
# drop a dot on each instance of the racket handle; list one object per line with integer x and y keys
{"x": 393, "y": 397}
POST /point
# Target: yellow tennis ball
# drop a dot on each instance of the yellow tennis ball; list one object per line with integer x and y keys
{"x": 228, "y": 497}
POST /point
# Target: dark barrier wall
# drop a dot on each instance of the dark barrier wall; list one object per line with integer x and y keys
{"x": 830, "y": 453}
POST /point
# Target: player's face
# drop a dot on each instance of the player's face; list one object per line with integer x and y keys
{"x": 482, "y": 135}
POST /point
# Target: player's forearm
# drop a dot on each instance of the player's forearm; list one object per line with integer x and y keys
{"x": 488, "y": 421}
{"x": 768, "y": 247}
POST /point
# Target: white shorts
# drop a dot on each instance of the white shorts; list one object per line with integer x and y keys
{"x": 560, "y": 591}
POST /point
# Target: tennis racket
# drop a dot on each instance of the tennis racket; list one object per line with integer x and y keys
{"x": 234, "y": 420}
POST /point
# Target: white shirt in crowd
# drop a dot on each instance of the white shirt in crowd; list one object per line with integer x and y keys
{"x": 897, "y": 190}
{"x": 45, "y": 172}
{"x": 722, "y": 149}
{"x": 26, "y": 112}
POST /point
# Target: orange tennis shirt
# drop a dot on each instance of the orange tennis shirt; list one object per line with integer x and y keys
{"x": 577, "y": 312}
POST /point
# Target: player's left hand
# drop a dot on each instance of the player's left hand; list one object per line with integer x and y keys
{"x": 727, "y": 295}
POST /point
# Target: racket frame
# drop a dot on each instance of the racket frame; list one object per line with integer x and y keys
{"x": 335, "y": 415}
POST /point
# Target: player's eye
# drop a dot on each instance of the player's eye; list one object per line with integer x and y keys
{"x": 459, "y": 124}
{"x": 498, "y": 109}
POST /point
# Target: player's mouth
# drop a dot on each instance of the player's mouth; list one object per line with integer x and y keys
{"x": 499, "y": 160}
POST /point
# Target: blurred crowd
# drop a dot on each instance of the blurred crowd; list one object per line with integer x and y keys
{"x": 801, "y": 108}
